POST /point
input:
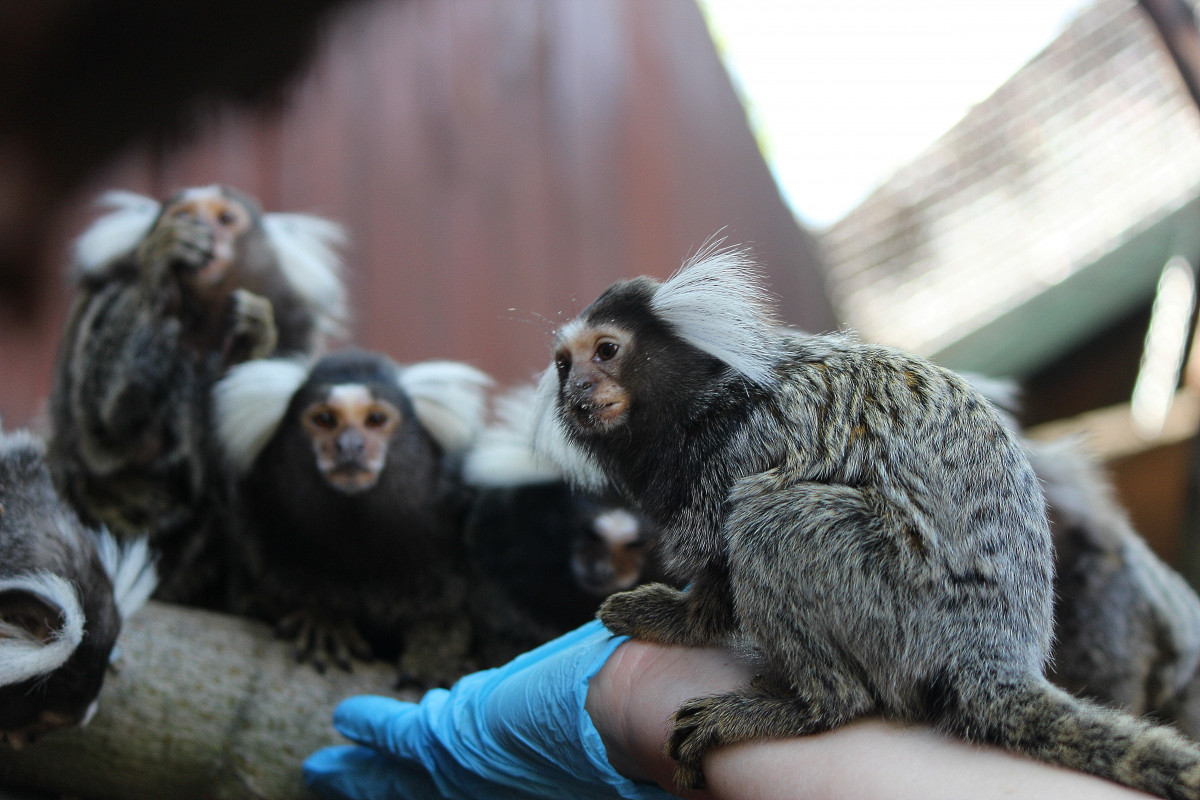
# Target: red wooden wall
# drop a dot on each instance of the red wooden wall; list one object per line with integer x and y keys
{"x": 497, "y": 164}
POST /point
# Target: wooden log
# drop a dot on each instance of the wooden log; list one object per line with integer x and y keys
{"x": 201, "y": 705}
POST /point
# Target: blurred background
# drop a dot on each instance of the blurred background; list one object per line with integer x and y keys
{"x": 1010, "y": 188}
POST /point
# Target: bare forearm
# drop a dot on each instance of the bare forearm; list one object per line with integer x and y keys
{"x": 633, "y": 696}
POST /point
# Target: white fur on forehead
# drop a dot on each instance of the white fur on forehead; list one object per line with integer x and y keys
{"x": 249, "y": 403}
{"x": 617, "y": 526}
{"x": 116, "y": 233}
{"x": 449, "y": 399}
{"x": 550, "y": 441}
{"x": 130, "y": 566}
{"x": 306, "y": 248}
{"x": 503, "y": 454}
{"x": 717, "y": 303}
{"x": 22, "y": 654}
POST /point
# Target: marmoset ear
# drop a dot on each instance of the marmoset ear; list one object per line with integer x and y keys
{"x": 717, "y": 303}
{"x": 449, "y": 399}
{"x": 250, "y": 402}
{"x": 41, "y": 624}
{"x": 117, "y": 233}
{"x": 306, "y": 249}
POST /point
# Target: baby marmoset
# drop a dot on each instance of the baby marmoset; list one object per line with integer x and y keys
{"x": 168, "y": 296}
{"x": 542, "y": 554}
{"x": 349, "y": 502}
{"x": 860, "y": 516}
{"x": 64, "y": 592}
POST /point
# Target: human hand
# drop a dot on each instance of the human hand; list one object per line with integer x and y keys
{"x": 519, "y": 731}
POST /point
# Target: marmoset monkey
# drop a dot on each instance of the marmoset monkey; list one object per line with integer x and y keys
{"x": 542, "y": 554}
{"x": 349, "y": 504}
{"x": 859, "y": 516}
{"x": 64, "y": 591}
{"x": 1126, "y": 626}
{"x": 168, "y": 297}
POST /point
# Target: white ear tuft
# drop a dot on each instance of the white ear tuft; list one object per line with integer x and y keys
{"x": 617, "y": 527}
{"x": 503, "y": 454}
{"x": 249, "y": 403}
{"x": 117, "y": 233}
{"x": 305, "y": 246}
{"x": 550, "y": 440}
{"x": 22, "y": 654}
{"x": 717, "y": 303}
{"x": 131, "y": 567}
{"x": 449, "y": 399}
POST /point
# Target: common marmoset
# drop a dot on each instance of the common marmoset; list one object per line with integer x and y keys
{"x": 168, "y": 297}
{"x": 64, "y": 591}
{"x": 542, "y": 554}
{"x": 859, "y": 516}
{"x": 349, "y": 504}
{"x": 1126, "y": 626}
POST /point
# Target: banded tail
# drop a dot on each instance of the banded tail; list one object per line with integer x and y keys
{"x": 1033, "y": 717}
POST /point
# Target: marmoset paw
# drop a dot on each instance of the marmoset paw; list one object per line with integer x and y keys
{"x": 658, "y": 613}
{"x": 192, "y": 242}
{"x": 654, "y": 612}
{"x": 699, "y": 725}
{"x": 252, "y": 331}
{"x": 321, "y": 641}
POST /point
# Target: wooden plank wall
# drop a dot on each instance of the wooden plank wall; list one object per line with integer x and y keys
{"x": 497, "y": 163}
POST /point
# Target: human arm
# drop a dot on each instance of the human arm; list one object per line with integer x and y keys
{"x": 551, "y": 723}
{"x": 633, "y": 695}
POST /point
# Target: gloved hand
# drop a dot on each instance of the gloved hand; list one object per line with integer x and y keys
{"x": 519, "y": 731}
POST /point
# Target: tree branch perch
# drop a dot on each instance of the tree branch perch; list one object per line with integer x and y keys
{"x": 202, "y": 705}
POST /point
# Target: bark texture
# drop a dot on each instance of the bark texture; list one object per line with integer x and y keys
{"x": 201, "y": 705}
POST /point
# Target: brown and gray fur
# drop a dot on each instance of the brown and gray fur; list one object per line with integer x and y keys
{"x": 1127, "y": 626}
{"x": 64, "y": 591}
{"x": 169, "y": 296}
{"x": 860, "y": 516}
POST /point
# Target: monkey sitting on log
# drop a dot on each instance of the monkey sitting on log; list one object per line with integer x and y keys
{"x": 860, "y": 517}
{"x": 349, "y": 505}
{"x": 64, "y": 591}
{"x": 168, "y": 296}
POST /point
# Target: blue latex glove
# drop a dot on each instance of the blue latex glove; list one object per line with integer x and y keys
{"x": 519, "y": 731}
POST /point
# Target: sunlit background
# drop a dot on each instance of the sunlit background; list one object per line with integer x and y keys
{"x": 841, "y": 95}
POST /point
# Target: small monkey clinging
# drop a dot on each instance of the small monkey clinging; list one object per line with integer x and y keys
{"x": 860, "y": 516}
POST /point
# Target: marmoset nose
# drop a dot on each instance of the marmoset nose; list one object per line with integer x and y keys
{"x": 350, "y": 443}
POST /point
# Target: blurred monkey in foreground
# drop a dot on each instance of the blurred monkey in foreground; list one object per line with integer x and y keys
{"x": 349, "y": 505}
{"x": 169, "y": 296}
{"x": 64, "y": 592}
